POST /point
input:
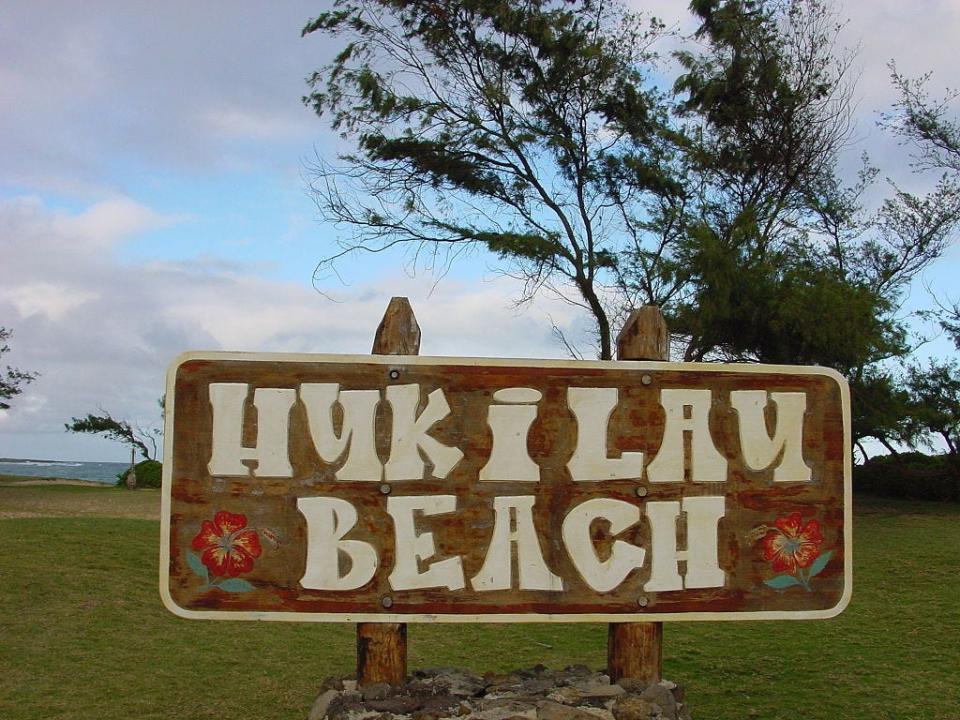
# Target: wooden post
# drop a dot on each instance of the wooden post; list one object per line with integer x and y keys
{"x": 635, "y": 650}
{"x": 382, "y": 647}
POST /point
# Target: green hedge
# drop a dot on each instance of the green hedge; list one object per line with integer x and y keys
{"x": 148, "y": 474}
{"x": 912, "y": 476}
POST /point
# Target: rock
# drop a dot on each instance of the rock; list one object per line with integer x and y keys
{"x": 397, "y": 704}
{"x": 535, "y": 693}
{"x": 598, "y": 691}
{"x": 632, "y": 685}
{"x": 320, "y": 705}
{"x": 438, "y": 706}
{"x": 632, "y": 707}
{"x": 375, "y": 691}
{"x": 663, "y": 697}
{"x": 598, "y": 712}
{"x": 461, "y": 684}
{"x": 510, "y": 709}
{"x": 550, "y": 710}
{"x": 566, "y": 695}
{"x": 331, "y": 683}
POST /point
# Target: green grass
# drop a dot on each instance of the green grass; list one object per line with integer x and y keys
{"x": 83, "y": 634}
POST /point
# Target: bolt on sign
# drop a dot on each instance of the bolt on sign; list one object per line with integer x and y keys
{"x": 405, "y": 489}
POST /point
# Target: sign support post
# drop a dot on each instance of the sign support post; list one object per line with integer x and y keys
{"x": 636, "y": 649}
{"x": 382, "y": 647}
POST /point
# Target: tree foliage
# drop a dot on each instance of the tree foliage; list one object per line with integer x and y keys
{"x": 524, "y": 128}
{"x": 12, "y": 379}
{"x": 935, "y": 411}
{"x": 543, "y": 132}
{"x": 143, "y": 440}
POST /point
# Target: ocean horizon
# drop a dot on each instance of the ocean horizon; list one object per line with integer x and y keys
{"x": 102, "y": 472}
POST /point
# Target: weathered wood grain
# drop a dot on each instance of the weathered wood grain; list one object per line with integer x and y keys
{"x": 644, "y": 336}
{"x": 382, "y": 647}
{"x": 398, "y": 332}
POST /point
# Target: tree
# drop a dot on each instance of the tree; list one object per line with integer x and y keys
{"x": 527, "y": 129}
{"x": 537, "y": 131}
{"x": 935, "y": 394}
{"x": 143, "y": 440}
{"x": 924, "y": 122}
{"x": 12, "y": 380}
{"x": 882, "y": 410}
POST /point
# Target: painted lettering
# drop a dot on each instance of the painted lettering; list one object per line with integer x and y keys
{"x": 760, "y": 449}
{"x": 270, "y": 453}
{"x": 688, "y": 411}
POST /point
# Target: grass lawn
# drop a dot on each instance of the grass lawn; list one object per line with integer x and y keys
{"x": 83, "y": 633}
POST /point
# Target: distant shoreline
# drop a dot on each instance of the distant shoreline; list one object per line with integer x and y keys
{"x": 23, "y": 480}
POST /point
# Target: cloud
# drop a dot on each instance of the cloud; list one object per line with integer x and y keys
{"x": 86, "y": 97}
{"x": 102, "y": 332}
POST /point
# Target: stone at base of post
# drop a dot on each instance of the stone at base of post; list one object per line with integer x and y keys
{"x": 381, "y": 653}
{"x": 635, "y": 650}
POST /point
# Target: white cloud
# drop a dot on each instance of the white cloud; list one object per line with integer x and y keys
{"x": 102, "y": 333}
{"x": 53, "y": 301}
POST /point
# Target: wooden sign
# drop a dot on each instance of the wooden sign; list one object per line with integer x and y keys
{"x": 408, "y": 489}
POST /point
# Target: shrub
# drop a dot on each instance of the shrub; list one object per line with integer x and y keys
{"x": 912, "y": 476}
{"x": 148, "y": 474}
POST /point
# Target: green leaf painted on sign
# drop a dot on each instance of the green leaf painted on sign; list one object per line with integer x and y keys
{"x": 235, "y": 585}
{"x": 782, "y": 582}
{"x": 196, "y": 564}
{"x": 820, "y": 563}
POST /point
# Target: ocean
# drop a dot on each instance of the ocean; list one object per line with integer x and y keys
{"x": 105, "y": 472}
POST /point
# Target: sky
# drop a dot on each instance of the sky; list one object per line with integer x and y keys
{"x": 153, "y": 201}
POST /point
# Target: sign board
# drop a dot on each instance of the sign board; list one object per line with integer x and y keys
{"x": 414, "y": 489}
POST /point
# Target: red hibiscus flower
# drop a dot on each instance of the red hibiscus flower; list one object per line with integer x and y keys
{"x": 227, "y": 547}
{"x": 791, "y": 544}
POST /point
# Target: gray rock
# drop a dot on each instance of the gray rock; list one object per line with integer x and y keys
{"x": 506, "y": 711}
{"x": 439, "y": 704}
{"x": 550, "y": 710}
{"x": 536, "y": 693}
{"x": 566, "y": 695}
{"x": 375, "y": 691}
{"x": 321, "y": 704}
{"x": 397, "y": 704}
{"x": 591, "y": 691}
{"x": 602, "y": 713}
{"x": 632, "y": 685}
{"x": 632, "y": 707}
{"x": 663, "y": 697}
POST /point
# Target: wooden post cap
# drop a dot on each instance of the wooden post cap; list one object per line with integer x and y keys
{"x": 644, "y": 336}
{"x": 398, "y": 332}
